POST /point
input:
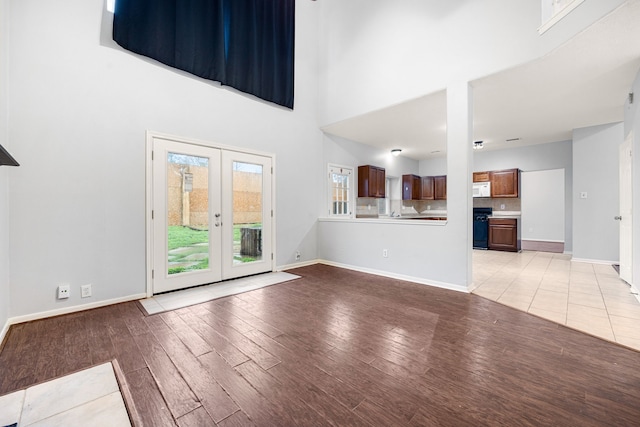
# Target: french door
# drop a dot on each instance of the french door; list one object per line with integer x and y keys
{"x": 211, "y": 216}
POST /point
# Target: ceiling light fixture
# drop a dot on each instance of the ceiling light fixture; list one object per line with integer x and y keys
{"x": 396, "y": 152}
{"x": 478, "y": 145}
{"x": 512, "y": 139}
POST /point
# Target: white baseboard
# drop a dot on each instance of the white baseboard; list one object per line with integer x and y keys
{"x": 73, "y": 309}
{"x": 297, "y": 265}
{"x": 542, "y": 245}
{"x": 418, "y": 280}
{"x": 4, "y": 331}
{"x": 593, "y": 261}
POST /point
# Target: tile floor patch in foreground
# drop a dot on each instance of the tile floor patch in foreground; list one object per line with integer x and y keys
{"x": 92, "y": 394}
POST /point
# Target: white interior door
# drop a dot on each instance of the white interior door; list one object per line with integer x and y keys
{"x": 247, "y": 214}
{"x": 625, "y": 210}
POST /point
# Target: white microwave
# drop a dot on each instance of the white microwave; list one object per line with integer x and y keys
{"x": 481, "y": 189}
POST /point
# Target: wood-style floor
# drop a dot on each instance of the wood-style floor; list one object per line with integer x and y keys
{"x": 341, "y": 348}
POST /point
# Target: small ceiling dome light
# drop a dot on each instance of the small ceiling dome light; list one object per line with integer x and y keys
{"x": 478, "y": 145}
{"x": 396, "y": 152}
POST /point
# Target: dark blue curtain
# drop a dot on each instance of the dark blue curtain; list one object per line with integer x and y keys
{"x": 245, "y": 44}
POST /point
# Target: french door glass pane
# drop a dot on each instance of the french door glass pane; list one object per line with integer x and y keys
{"x": 187, "y": 213}
{"x": 247, "y": 212}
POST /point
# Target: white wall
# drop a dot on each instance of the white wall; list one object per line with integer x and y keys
{"x": 377, "y": 53}
{"x": 596, "y": 172}
{"x": 4, "y": 175}
{"x": 344, "y": 152}
{"x": 556, "y": 155}
{"x": 542, "y": 204}
{"x": 5, "y": 297}
{"x": 435, "y": 254}
{"x": 79, "y": 112}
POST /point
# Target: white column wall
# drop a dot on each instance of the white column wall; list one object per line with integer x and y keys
{"x": 459, "y": 175}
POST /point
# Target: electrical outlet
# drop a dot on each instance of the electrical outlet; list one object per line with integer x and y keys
{"x": 64, "y": 291}
{"x": 385, "y": 253}
{"x": 298, "y": 255}
{"x": 502, "y": 207}
{"x": 85, "y": 291}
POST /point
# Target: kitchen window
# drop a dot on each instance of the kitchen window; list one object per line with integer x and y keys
{"x": 340, "y": 191}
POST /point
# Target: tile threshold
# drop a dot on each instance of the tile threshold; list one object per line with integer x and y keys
{"x": 184, "y": 298}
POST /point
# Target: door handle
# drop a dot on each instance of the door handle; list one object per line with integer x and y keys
{"x": 617, "y": 218}
{"x": 217, "y": 215}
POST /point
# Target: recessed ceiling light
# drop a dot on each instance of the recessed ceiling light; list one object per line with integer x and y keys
{"x": 513, "y": 139}
{"x": 396, "y": 151}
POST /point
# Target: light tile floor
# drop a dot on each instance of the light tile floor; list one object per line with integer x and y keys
{"x": 587, "y": 297}
{"x": 87, "y": 398}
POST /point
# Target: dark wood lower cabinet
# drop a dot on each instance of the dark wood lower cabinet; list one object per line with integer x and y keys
{"x": 503, "y": 234}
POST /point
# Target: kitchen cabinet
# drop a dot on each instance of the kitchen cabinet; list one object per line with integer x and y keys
{"x": 440, "y": 187}
{"x": 411, "y": 187}
{"x": 371, "y": 181}
{"x": 504, "y": 235}
{"x": 481, "y": 177}
{"x": 427, "y": 190}
{"x": 434, "y": 188}
{"x": 505, "y": 183}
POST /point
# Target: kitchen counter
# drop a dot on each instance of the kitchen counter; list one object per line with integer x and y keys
{"x": 505, "y": 214}
{"x": 421, "y": 217}
{"x": 436, "y": 215}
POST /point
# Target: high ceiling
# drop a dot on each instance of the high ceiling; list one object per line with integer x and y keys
{"x": 585, "y": 82}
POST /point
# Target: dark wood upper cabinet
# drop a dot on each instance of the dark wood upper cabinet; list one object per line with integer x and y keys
{"x": 371, "y": 181}
{"x": 411, "y": 187}
{"x": 505, "y": 183}
{"x": 481, "y": 177}
{"x": 427, "y": 190}
{"x": 440, "y": 187}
